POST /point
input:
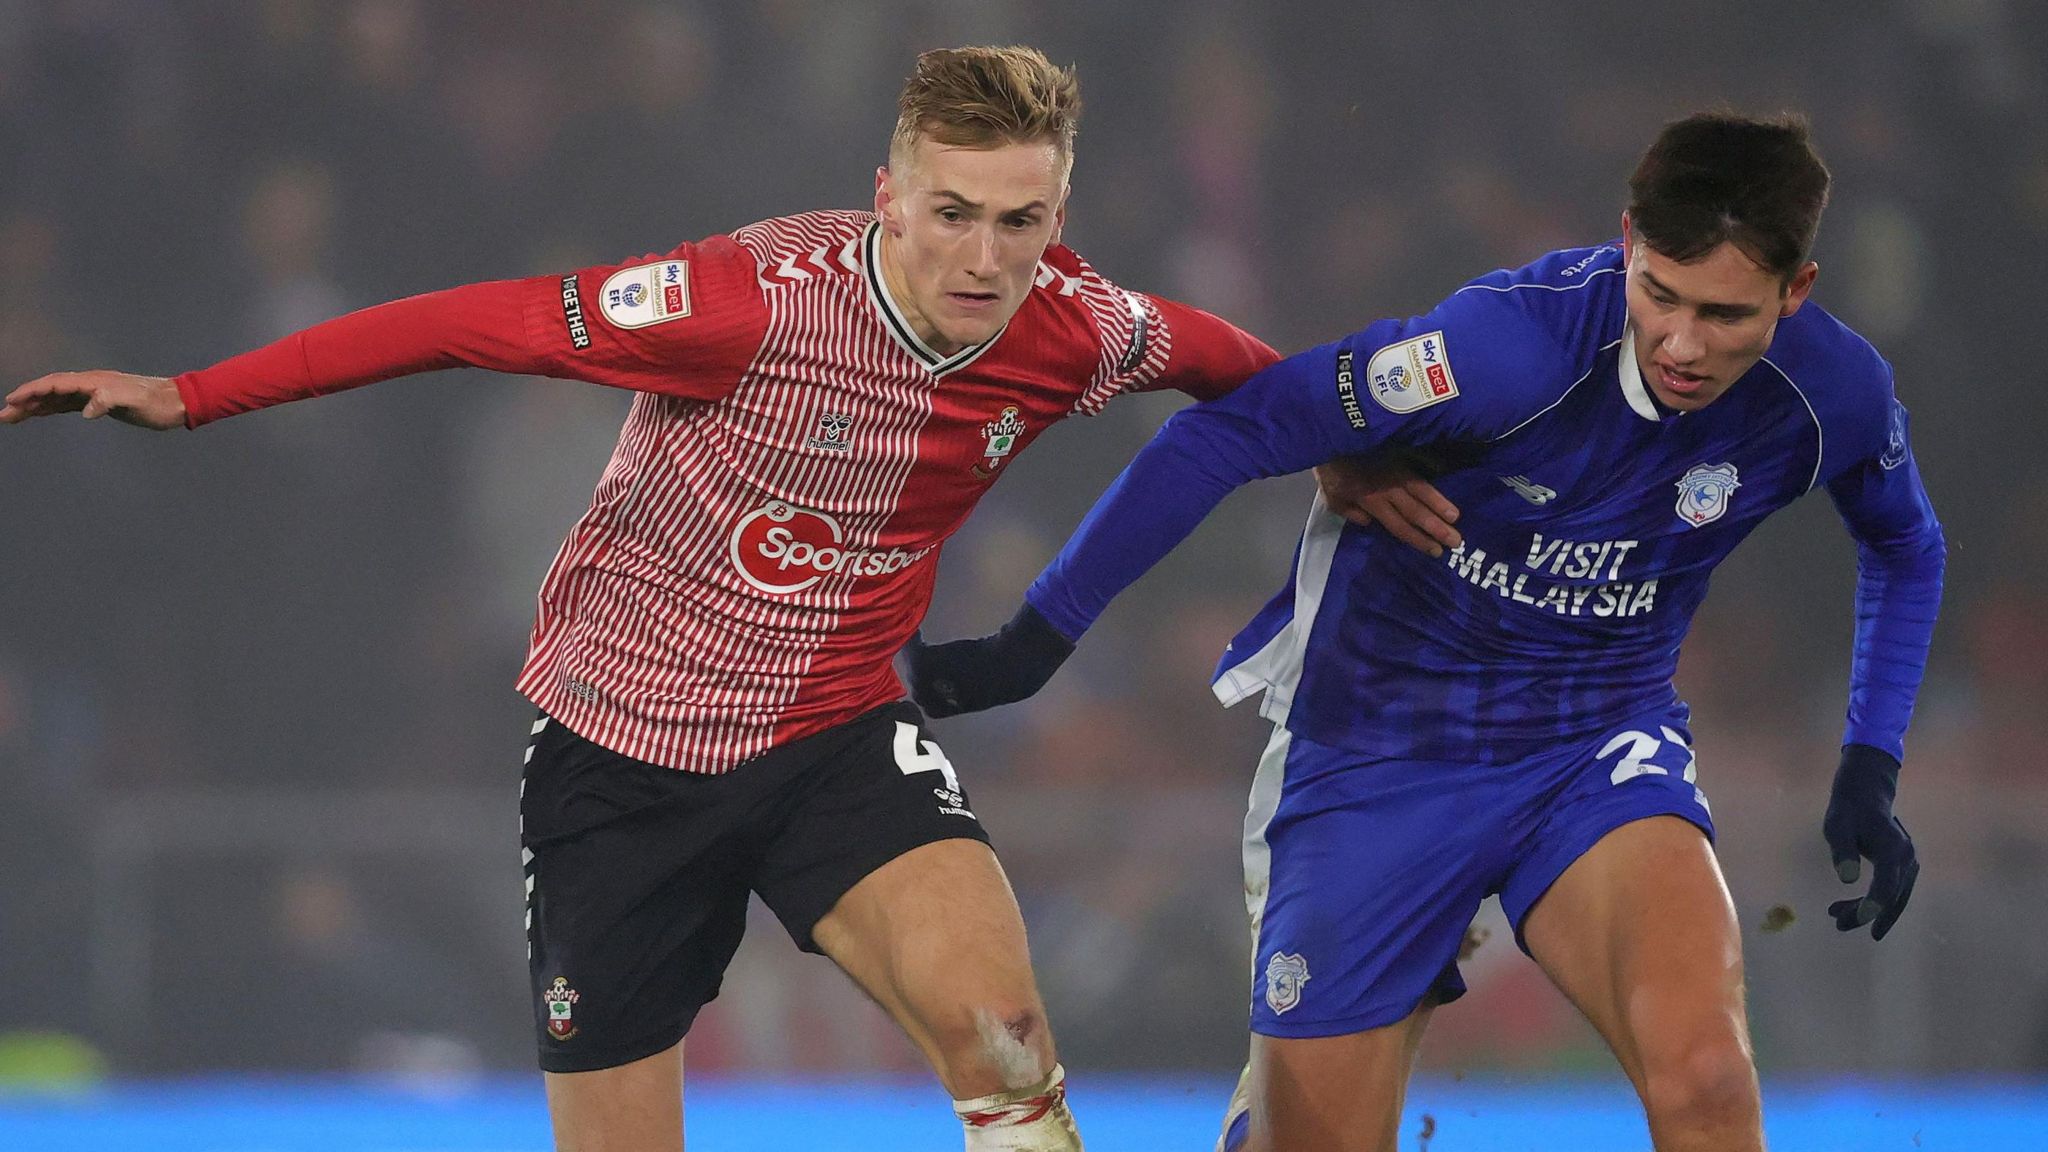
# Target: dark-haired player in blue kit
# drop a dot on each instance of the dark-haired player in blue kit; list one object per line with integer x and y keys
{"x": 1500, "y": 718}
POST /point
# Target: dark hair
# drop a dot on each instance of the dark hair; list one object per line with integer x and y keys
{"x": 1716, "y": 177}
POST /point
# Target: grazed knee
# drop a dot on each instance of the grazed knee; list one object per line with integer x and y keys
{"x": 997, "y": 1049}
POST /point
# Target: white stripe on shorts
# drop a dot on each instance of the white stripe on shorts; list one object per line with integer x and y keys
{"x": 1265, "y": 800}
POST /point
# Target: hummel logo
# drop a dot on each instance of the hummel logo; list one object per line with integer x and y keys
{"x": 832, "y": 430}
{"x": 1528, "y": 489}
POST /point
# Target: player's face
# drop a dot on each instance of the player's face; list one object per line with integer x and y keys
{"x": 1702, "y": 324}
{"x": 965, "y": 229}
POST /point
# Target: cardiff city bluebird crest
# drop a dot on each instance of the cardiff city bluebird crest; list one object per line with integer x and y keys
{"x": 1286, "y": 972}
{"x": 1703, "y": 492}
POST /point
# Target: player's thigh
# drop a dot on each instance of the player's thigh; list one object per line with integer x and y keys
{"x": 634, "y": 1107}
{"x": 1364, "y": 875}
{"x": 882, "y": 865}
{"x": 1617, "y": 894}
{"x": 1640, "y": 933}
{"x": 636, "y": 898}
{"x": 934, "y": 932}
{"x": 1333, "y": 1093}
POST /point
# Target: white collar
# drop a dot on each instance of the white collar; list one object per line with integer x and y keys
{"x": 1632, "y": 388}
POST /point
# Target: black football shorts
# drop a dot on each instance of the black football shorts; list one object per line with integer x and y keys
{"x": 637, "y": 875}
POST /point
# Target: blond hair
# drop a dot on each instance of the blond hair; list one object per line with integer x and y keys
{"x": 985, "y": 98}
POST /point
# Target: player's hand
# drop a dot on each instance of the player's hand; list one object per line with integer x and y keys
{"x": 1388, "y": 492}
{"x": 144, "y": 401}
{"x": 970, "y": 675}
{"x": 1860, "y": 824}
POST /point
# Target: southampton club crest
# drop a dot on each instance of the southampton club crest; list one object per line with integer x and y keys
{"x": 561, "y": 1001}
{"x": 1002, "y": 433}
{"x": 1286, "y": 972}
{"x": 1703, "y": 492}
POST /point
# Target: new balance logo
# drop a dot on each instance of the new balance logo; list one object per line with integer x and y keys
{"x": 1529, "y": 490}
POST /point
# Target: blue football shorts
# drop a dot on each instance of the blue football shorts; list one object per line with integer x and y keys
{"x": 1363, "y": 873}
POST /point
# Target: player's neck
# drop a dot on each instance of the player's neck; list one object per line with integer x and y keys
{"x": 898, "y": 288}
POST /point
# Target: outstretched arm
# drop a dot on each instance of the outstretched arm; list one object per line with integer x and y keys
{"x": 1270, "y": 426}
{"x": 1207, "y": 357}
{"x": 1384, "y": 490}
{"x": 1391, "y": 383}
{"x": 686, "y": 324}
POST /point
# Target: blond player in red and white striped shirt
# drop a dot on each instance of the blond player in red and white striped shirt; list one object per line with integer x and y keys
{"x": 822, "y": 400}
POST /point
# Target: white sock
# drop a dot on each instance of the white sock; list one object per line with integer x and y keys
{"x": 1033, "y": 1119}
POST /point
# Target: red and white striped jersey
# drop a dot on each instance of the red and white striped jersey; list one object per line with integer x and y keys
{"x": 766, "y": 535}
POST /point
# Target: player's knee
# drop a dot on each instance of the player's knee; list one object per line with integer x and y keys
{"x": 996, "y": 1047}
{"x": 1700, "y": 1085}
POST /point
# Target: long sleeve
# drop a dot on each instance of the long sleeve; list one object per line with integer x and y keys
{"x": 686, "y": 324}
{"x": 1472, "y": 368}
{"x": 1269, "y": 426}
{"x": 1209, "y": 356}
{"x": 1900, "y": 559}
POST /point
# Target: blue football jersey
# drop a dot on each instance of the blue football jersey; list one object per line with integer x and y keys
{"x": 1592, "y": 518}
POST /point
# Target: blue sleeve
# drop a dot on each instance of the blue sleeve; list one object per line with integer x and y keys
{"x": 1269, "y": 426}
{"x": 1899, "y": 563}
{"x": 1472, "y": 369}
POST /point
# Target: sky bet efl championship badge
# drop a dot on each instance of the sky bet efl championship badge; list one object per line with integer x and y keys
{"x": 648, "y": 294}
{"x": 1703, "y": 492}
{"x": 1002, "y": 433}
{"x": 1411, "y": 374}
{"x": 561, "y": 1001}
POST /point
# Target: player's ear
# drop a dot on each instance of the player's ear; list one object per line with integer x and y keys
{"x": 885, "y": 202}
{"x": 1059, "y": 221}
{"x": 1628, "y": 241}
{"x": 1797, "y": 288}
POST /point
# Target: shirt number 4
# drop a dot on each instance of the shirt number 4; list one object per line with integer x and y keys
{"x": 914, "y": 756}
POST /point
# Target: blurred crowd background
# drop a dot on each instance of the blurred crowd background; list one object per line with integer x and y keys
{"x": 258, "y": 743}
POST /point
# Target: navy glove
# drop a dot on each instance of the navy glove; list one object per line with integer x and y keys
{"x": 970, "y": 675}
{"x": 1860, "y": 823}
